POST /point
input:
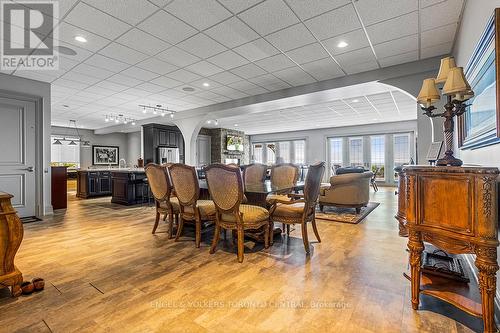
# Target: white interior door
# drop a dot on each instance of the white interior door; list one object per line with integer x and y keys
{"x": 17, "y": 153}
{"x": 204, "y": 150}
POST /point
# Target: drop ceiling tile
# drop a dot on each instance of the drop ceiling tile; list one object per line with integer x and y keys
{"x": 399, "y": 59}
{"x": 427, "y": 3}
{"x": 134, "y": 92}
{"x": 143, "y": 42}
{"x": 373, "y": 11}
{"x": 355, "y": 57}
{"x": 292, "y": 37}
{"x": 334, "y": 23}
{"x": 200, "y": 84}
{"x": 109, "y": 85}
{"x": 294, "y": 76}
{"x": 308, "y": 53}
{"x": 161, "y": 3}
{"x": 225, "y": 78}
{"x": 441, "y": 14}
{"x": 183, "y": 76}
{"x": 70, "y": 84}
{"x": 199, "y": 14}
{"x": 202, "y": 45}
{"x": 68, "y": 32}
{"x": 166, "y": 82}
{"x": 157, "y": 66}
{"x": 150, "y": 87}
{"x": 243, "y": 86}
{"x": 177, "y": 57}
{"x": 256, "y": 91}
{"x": 306, "y": 9}
{"x": 35, "y": 76}
{"x": 106, "y": 63}
{"x": 360, "y": 67}
{"x": 436, "y": 50}
{"x": 229, "y": 92}
{"x": 139, "y": 73}
{"x": 78, "y": 77}
{"x": 240, "y": 5}
{"x": 248, "y": 71}
{"x": 125, "y": 80}
{"x": 95, "y": 21}
{"x": 275, "y": 63}
{"x": 130, "y": 11}
{"x": 167, "y": 27}
{"x": 269, "y": 16}
{"x": 323, "y": 69}
{"x": 266, "y": 79}
{"x": 398, "y": 27}
{"x": 355, "y": 39}
{"x": 204, "y": 68}
{"x": 232, "y": 33}
{"x": 81, "y": 54}
{"x": 92, "y": 71}
{"x": 439, "y": 35}
{"x": 122, "y": 53}
{"x": 396, "y": 46}
{"x": 228, "y": 60}
{"x": 256, "y": 50}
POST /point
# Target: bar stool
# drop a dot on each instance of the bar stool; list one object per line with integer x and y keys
{"x": 145, "y": 188}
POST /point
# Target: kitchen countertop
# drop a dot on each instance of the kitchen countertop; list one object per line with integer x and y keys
{"x": 114, "y": 169}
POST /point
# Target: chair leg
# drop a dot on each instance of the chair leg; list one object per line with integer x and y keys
{"x": 358, "y": 210}
{"x": 241, "y": 244}
{"x": 288, "y": 230}
{"x": 197, "y": 237}
{"x": 321, "y": 208}
{"x": 157, "y": 220}
{"x": 315, "y": 229}
{"x": 304, "y": 237}
{"x": 179, "y": 228}
{"x": 215, "y": 240}
{"x": 283, "y": 227}
{"x": 170, "y": 225}
{"x": 271, "y": 233}
{"x": 266, "y": 237}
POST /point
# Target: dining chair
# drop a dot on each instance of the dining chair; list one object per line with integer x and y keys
{"x": 225, "y": 185}
{"x": 254, "y": 173}
{"x": 187, "y": 189}
{"x": 301, "y": 208}
{"x": 161, "y": 188}
{"x": 284, "y": 176}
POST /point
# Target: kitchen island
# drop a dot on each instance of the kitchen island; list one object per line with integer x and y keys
{"x": 126, "y": 186}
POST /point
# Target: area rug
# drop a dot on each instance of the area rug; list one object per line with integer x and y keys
{"x": 345, "y": 215}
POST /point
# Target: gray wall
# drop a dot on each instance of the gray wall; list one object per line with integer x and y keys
{"x": 134, "y": 146}
{"x": 113, "y": 139}
{"x": 18, "y": 85}
{"x": 316, "y": 140}
{"x": 474, "y": 20}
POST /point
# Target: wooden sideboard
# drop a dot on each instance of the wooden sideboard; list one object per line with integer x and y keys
{"x": 11, "y": 235}
{"x": 454, "y": 209}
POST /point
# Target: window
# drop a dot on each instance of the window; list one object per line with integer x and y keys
{"x": 257, "y": 152}
{"x": 65, "y": 154}
{"x": 401, "y": 149}
{"x": 270, "y": 153}
{"x": 335, "y": 151}
{"x": 356, "y": 151}
{"x": 378, "y": 155}
{"x": 299, "y": 152}
{"x": 283, "y": 152}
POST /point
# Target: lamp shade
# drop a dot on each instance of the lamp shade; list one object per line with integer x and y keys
{"x": 456, "y": 83}
{"x": 428, "y": 93}
{"x": 446, "y": 65}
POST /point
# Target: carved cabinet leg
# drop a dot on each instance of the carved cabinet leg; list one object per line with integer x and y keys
{"x": 486, "y": 263}
{"x": 416, "y": 246}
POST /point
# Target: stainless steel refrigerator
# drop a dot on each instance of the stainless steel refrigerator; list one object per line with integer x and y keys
{"x": 168, "y": 155}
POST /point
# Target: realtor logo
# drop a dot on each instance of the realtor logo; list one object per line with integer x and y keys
{"x": 27, "y": 35}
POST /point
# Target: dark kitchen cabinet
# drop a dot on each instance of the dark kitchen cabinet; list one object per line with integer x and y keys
{"x": 93, "y": 183}
{"x": 156, "y": 135}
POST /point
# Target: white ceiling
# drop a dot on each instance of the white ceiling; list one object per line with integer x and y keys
{"x": 366, "y": 103}
{"x": 146, "y": 51}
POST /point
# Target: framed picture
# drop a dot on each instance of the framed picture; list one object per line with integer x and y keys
{"x": 434, "y": 151}
{"x": 479, "y": 126}
{"x": 105, "y": 155}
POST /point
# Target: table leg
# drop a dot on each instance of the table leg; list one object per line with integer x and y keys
{"x": 416, "y": 246}
{"x": 486, "y": 263}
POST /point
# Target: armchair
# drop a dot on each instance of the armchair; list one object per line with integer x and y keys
{"x": 347, "y": 190}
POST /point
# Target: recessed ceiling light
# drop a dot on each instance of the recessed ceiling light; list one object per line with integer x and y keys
{"x": 188, "y": 89}
{"x": 66, "y": 105}
{"x": 342, "y": 44}
{"x": 206, "y": 84}
{"x": 81, "y": 39}
{"x": 355, "y": 100}
{"x": 66, "y": 50}
{"x": 236, "y": 125}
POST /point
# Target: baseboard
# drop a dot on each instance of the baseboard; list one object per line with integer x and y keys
{"x": 47, "y": 211}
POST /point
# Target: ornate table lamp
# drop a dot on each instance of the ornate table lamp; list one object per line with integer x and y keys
{"x": 457, "y": 91}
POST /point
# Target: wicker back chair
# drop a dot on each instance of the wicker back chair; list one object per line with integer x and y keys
{"x": 301, "y": 209}
{"x": 161, "y": 188}
{"x": 187, "y": 189}
{"x": 284, "y": 176}
{"x": 254, "y": 173}
{"x": 225, "y": 185}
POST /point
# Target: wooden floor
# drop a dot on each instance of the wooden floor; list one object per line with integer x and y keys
{"x": 105, "y": 272}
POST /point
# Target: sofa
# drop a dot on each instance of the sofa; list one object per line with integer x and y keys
{"x": 347, "y": 190}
